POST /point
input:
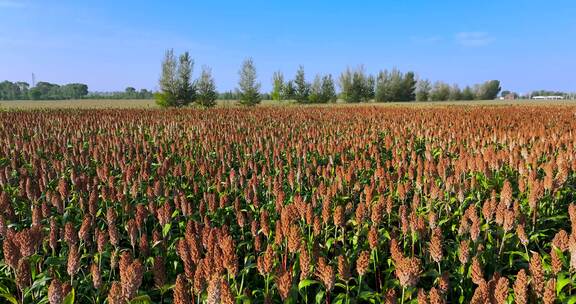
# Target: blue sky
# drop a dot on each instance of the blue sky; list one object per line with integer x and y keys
{"x": 527, "y": 44}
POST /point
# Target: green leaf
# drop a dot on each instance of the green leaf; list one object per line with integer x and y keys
{"x": 572, "y": 300}
{"x": 386, "y": 235}
{"x": 329, "y": 243}
{"x": 366, "y": 295}
{"x": 142, "y": 299}
{"x": 55, "y": 261}
{"x": 320, "y": 297}
{"x": 339, "y": 299}
{"x": 242, "y": 298}
{"x": 69, "y": 299}
{"x": 10, "y": 298}
{"x": 522, "y": 254}
{"x": 306, "y": 283}
{"x": 561, "y": 282}
{"x": 166, "y": 229}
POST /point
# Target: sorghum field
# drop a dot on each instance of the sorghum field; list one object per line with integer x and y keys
{"x": 301, "y": 204}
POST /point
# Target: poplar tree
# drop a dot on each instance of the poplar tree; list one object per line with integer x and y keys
{"x": 328, "y": 89}
{"x": 356, "y": 86}
{"x": 302, "y": 87}
{"x": 423, "y": 90}
{"x": 206, "y": 88}
{"x": 316, "y": 91}
{"x": 288, "y": 91}
{"x": 277, "y": 85}
{"x": 186, "y": 91}
{"x": 176, "y": 87}
{"x": 249, "y": 88}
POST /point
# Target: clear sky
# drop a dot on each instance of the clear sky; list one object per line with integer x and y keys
{"x": 527, "y": 44}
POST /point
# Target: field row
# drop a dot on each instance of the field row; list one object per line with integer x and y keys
{"x": 289, "y": 204}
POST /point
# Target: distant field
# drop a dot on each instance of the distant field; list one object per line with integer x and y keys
{"x": 150, "y": 104}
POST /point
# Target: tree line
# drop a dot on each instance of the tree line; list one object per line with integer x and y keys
{"x": 177, "y": 88}
{"x": 42, "y": 91}
{"x": 50, "y": 91}
{"x": 128, "y": 93}
{"x": 549, "y": 93}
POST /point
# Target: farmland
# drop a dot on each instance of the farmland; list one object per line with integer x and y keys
{"x": 333, "y": 204}
{"x": 151, "y": 104}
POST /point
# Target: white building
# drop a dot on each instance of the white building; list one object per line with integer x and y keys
{"x": 548, "y": 97}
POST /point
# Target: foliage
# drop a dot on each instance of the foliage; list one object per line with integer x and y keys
{"x": 176, "y": 87}
{"x": 356, "y": 85}
{"x": 302, "y": 88}
{"x": 49, "y": 91}
{"x": 455, "y": 93}
{"x": 185, "y": 90}
{"x": 128, "y": 93}
{"x": 249, "y": 88}
{"x": 14, "y": 91}
{"x": 440, "y": 91}
{"x": 467, "y": 93}
{"x": 322, "y": 90}
{"x": 488, "y": 90}
{"x": 42, "y": 91}
{"x": 228, "y": 95}
{"x": 206, "y": 89}
{"x": 288, "y": 91}
{"x": 423, "y": 88}
{"x": 327, "y": 89}
{"x": 277, "y": 85}
{"x": 315, "y": 90}
{"x": 395, "y": 86}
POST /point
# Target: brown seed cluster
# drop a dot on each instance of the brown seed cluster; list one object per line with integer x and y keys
{"x": 234, "y": 204}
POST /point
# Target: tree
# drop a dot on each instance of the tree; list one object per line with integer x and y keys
{"x": 383, "y": 87}
{"x": 249, "y": 89}
{"x": 8, "y": 91}
{"x": 176, "y": 87}
{"x": 23, "y": 89}
{"x": 228, "y": 95}
{"x": 327, "y": 89}
{"x": 168, "y": 84}
{"x": 206, "y": 88}
{"x": 45, "y": 91}
{"x": 356, "y": 86}
{"x": 144, "y": 94}
{"x": 288, "y": 91}
{"x": 408, "y": 87}
{"x": 130, "y": 92}
{"x": 345, "y": 83}
{"x": 395, "y": 86}
{"x": 489, "y": 90}
{"x": 277, "y": 85}
{"x": 455, "y": 93}
{"x": 423, "y": 90}
{"x": 302, "y": 87}
{"x": 368, "y": 87}
{"x": 73, "y": 91}
{"x": 316, "y": 91}
{"x": 467, "y": 93}
{"x": 440, "y": 91}
{"x": 186, "y": 91}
